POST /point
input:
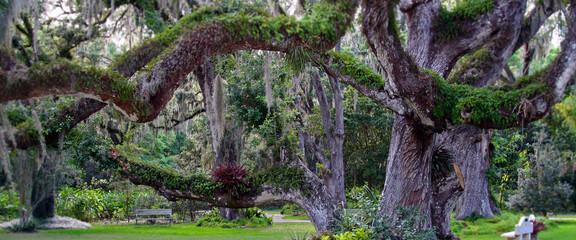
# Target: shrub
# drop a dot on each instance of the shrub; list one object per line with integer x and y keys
{"x": 292, "y": 210}
{"x": 97, "y": 204}
{"x": 539, "y": 185}
{"x": 365, "y": 202}
{"x": 83, "y": 204}
{"x": 8, "y": 205}
{"x": 363, "y": 223}
{"x": 356, "y": 234}
{"x": 251, "y": 217}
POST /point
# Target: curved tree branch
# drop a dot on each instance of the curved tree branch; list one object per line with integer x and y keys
{"x": 142, "y": 97}
{"x": 483, "y": 67}
{"x": 536, "y": 18}
{"x": 531, "y": 100}
{"x": 402, "y": 73}
{"x": 347, "y": 69}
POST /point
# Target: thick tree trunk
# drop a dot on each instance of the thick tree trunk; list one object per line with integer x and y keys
{"x": 229, "y": 213}
{"x": 469, "y": 146}
{"x": 226, "y": 138}
{"x": 322, "y": 212}
{"x": 408, "y": 173}
{"x": 43, "y": 191}
{"x": 446, "y": 191}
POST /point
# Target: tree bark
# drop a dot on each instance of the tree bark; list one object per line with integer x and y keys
{"x": 408, "y": 172}
{"x": 334, "y": 137}
{"x": 446, "y": 190}
{"x": 470, "y": 148}
{"x": 44, "y": 185}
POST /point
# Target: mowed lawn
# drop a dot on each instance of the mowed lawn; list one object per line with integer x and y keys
{"x": 562, "y": 231}
{"x": 478, "y": 230}
{"x": 167, "y": 232}
{"x": 490, "y": 229}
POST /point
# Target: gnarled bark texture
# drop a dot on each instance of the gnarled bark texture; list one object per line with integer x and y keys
{"x": 408, "y": 172}
{"x": 427, "y": 105}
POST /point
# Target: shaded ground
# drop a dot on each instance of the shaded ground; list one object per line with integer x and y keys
{"x": 167, "y": 232}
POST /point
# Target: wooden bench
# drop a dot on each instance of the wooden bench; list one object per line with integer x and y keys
{"x": 153, "y": 215}
{"x": 523, "y": 230}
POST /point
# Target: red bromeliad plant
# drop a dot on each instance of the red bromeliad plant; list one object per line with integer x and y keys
{"x": 231, "y": 177}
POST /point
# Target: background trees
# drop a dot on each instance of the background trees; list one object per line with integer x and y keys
{"x": 438, "y": 72}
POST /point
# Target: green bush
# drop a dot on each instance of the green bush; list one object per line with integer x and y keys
{"x": 292, "y": 210}
{"x": 8, "y": 205}
{"x": 251, "y": 217}
{"x": 97, "y": 204}
{"x": 356, "y": 234}
{"x": 83, "y": 204}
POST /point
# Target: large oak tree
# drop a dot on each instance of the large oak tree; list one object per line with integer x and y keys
{"x": 437, "y": 82}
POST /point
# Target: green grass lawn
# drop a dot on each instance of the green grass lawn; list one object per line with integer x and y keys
{"x": 480, "y": 229}
{"x": 296, "y": 217}
{"x": 568, "y": 215}
{"x": 490, "y": 229}
{"x": 167, "y": 232}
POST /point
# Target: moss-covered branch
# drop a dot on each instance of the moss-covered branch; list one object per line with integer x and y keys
{"x": 143, "y": 97}
{"x": 492, "y": 107}
{"x": 275, "y": 184}
{"x": 451, "y": 22}
{"x": 65, "y": 78}
{"x": 348, "y": 69}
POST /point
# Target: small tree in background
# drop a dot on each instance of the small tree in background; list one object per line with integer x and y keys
{"x": 539, "y": 186}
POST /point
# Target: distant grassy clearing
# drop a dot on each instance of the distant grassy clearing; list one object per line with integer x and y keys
{"x": 490, "y": 229}
{"x": 296, "y": 217}
{"x": 167, "y": 232}
{"x": 481, "y": 229}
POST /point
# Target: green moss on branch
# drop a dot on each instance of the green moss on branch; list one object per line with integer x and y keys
{"x": 479, "y": 60}
{"x": 284, "y": 179}
{"x": 484, "y": 106}
{"x": 66, "y": 77}
{"x": 151, "y": 175}
{"x": 449, "y": 24}
{"x": 347, "y": 64}
{"x": 322, "y": 25}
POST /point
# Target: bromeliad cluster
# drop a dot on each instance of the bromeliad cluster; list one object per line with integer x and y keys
{"x": 231, "y": 179}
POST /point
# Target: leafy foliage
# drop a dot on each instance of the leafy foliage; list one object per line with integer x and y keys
{"x": 231, "y": 178}
{"x": 284, "y": 178}
{"x": 251, "y": 217}
{"x": 367, "y": 136}
{"x": 540, "y": 188}
{"x": 292, "y": 209}
{"x": 8, "y": 205}
{"x": 510, "y": 153}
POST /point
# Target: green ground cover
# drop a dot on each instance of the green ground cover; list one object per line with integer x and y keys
{"x": 490, "y": 229}
{"x": 296, "y": 218}
{"x": 479, "y": 229}
{"x": 168, "y": 232}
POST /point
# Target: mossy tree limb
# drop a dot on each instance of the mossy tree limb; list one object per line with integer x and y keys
{"x": 318, "y": 30}
{"x": 292, "y": 183}
{"x": 484, "y": 66}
